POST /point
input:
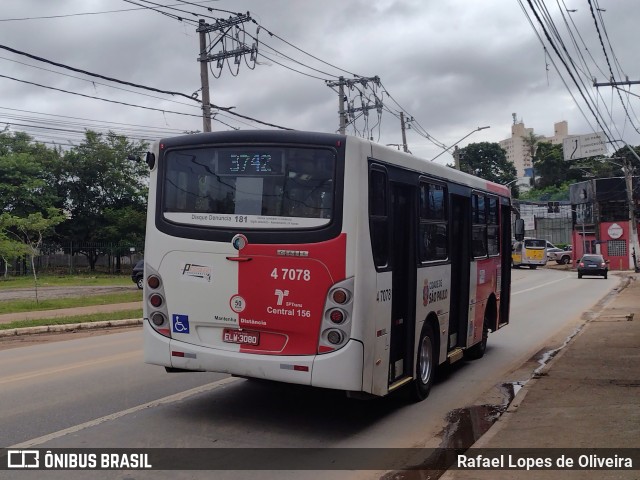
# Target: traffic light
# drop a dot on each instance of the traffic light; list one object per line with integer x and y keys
{"x": 553, "y": 207}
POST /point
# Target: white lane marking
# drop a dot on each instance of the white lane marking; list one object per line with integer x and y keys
{"x": 51, "y": 371}
{"x": 155, "y": 403}
{"x": 541, "y": 285}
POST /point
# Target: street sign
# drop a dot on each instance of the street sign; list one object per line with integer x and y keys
{"x": 583, "y": 146}
{"x": 529, "y": 222}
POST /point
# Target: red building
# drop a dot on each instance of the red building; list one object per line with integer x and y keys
{"x": 601, "y": 220}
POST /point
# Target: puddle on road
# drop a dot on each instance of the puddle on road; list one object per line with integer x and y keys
{"x": 464, "y": 427}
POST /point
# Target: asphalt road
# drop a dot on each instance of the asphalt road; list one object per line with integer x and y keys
{"x": 96, "y": 392}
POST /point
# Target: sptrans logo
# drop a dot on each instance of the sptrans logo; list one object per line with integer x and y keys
{"x": 281, "y": 294}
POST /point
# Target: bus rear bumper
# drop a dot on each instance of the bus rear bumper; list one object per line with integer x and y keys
{"x": 341, "y": 370}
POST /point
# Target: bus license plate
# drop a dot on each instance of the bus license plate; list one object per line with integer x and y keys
{"x": 240, "y": 336}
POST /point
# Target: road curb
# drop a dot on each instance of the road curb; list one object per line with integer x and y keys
{"x": 69, "y": 327}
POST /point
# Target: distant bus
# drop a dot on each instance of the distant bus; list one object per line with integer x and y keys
{"x": 319, "y": 259}
{"x": 530, "y": 252}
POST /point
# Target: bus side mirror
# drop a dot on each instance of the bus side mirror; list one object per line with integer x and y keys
{"x": 150, "y": 160}
{"x": 518, "y": 229}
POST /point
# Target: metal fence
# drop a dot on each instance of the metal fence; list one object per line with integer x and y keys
{"x": 555, "y": 227}
{"x": 67, "y": 258}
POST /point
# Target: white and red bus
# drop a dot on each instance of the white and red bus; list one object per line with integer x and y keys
{"x": 319, "y": 259}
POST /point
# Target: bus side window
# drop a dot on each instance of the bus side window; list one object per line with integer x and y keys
{"x": 433, "y": 222}
{"x": 378, "y": 217}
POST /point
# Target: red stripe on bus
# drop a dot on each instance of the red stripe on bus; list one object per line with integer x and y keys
{"x": 285, "y": 294}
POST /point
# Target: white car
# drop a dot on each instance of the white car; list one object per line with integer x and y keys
{"x": 551, "y": 252}
{"x": 563, "y": 257}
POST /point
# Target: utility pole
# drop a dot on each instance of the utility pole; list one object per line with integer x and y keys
{"x": 204, "y": 77}
{"x": 628, "y": 179}
{"x": 614, "y": 84}
{"x": 342, "y": 111}
{"x": 404, "y": 133}
{"x": 223, "y": 27}
{"x": 627, "y": 168}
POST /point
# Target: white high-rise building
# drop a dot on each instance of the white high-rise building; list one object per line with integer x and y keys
{"x": 517, "y": 150}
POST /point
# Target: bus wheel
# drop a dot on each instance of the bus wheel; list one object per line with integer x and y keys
{"x": 425, "y": 364}
{"x": 533, "y": 267}
{"x": 477, "y": 351}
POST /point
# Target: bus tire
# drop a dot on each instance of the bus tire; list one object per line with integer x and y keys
{"x": 477, "y": 351}
{"x": 533, "y": 267}
{"x": 426, "y": 359}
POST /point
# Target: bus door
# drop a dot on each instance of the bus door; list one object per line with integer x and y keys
{"x": 460, "y": 270}
{"x": 403, "y": 210}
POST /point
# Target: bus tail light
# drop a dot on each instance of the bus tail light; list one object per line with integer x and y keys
{"x": 335, "y": 337}
{"x": 340, "y": 296}
{"x": 155, "y": 306}
{"x": 156, "y": 300}
{"x": 158, "y": 319}
{"x": 336, "y": 316}
{"x": 335, "y": 329}
{"x": 153, "y": 281}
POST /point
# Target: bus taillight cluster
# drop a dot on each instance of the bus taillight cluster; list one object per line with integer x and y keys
{"x": 335, "y": 329}
{"x": 156, "y": 305}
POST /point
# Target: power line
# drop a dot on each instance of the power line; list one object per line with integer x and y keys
{"x": 170, "y": 15}
{"x": 97, "y": 98}
{"x": 555, "y": 66}
{"x": 51, "y": 62}
{"x": 48, "y": 17}
{"x": 85, "y": 119}
{"x": 143, "y": 107}
{"x": 91, "y": 74}
{"x": 555, "y": 48}
{"x": 606, "y": 56}
{"x": 95, "y": 83}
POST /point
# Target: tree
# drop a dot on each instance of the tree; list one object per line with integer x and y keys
{"x": 99, "y": 181}
{"x": 10, "y": 249}
{"x": 489, "y": 161}
{"x": 623, "y": 155}
{"x": 30, "y": 231}
{"x": 552, "y": 168}
{"x": 552, "y": 193}
{"x": 531, "y": 141}
{"x": 28, "y": 175}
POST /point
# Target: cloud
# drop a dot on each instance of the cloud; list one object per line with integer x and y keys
{"x": 453, "y": 65}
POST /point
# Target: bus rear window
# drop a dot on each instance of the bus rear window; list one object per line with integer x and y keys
{"x": 249, "y": 187}
{"x": 535, "y": 243}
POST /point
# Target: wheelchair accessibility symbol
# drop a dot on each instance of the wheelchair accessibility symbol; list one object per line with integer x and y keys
{"x": 180, "y": 323}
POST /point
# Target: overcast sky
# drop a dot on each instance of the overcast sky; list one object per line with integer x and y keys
{"x": 454, "y": 65}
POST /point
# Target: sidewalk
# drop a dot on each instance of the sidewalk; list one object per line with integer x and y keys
{"x": 588, "y": 396}
{"x": 68, "y": 312}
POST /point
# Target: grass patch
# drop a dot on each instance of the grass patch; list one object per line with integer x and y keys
{"x": 96, "y": 317}
{"x": 29, "y": 305}
{"x": 26, "y": 281}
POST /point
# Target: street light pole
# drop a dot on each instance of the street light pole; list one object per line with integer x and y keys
{"x": 453, "y": 145}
